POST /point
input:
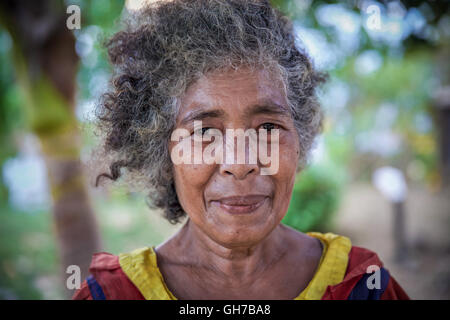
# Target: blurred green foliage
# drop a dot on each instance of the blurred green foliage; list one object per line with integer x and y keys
{"x": 28, "y": 255}
{"x": 11, "y": 118}
{"x": 28, "y": 252}
{"x": 315, "y": 199}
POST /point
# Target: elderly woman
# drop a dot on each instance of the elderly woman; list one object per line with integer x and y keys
{"x": 188, "y": 71}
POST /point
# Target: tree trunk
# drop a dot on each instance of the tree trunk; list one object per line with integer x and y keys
{"x": 46, "y": 65}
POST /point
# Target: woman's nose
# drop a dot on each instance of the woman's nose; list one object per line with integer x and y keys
{"x": 239, "y": 171}
{"x": 241, "y": 157}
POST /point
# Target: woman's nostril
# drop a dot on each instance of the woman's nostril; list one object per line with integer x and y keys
{"x": 239, "y": 173}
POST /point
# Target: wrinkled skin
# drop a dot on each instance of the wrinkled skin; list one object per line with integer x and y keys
{"x": 236, "y": 248}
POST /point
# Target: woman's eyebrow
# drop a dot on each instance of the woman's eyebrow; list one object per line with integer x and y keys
{"x": 267, "y": 108}
{"x": 202, "y": 114}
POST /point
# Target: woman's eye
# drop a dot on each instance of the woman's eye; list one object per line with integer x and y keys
{"x": 201, "y": 131}
{"x": 268, "y": 126}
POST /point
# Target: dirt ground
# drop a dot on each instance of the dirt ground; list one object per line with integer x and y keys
{"x": 367, "y": 218}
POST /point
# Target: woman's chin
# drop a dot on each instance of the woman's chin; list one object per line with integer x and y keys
{"x": 238, "y": 241}
{"x": 241, "y": 233}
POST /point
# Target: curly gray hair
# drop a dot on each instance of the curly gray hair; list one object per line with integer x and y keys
{"x": 167, "y": 46}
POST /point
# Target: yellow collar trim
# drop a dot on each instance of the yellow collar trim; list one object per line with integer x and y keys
{"x": 141, "y": 267}
{"x": 332, "y": 266}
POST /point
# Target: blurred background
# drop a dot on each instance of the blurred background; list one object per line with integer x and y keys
{"x": 379, "y": 174}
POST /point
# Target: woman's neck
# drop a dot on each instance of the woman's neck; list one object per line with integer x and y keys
{"x": 234, "y": 265}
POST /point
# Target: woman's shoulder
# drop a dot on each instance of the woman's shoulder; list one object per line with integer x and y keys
{"x": 328, "y": 247}
{"x": 365, "y": 276}
{"x": 108, "y": 280}
{"x": 356, "y": 259}
{"x": 353, "y": 272}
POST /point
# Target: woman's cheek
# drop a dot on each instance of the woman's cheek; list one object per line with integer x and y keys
{"x": 190, "y": 181}
{"x": 288, "y": 150}
{"x": 286, "y": 176}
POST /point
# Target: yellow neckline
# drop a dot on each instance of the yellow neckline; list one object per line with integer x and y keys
{"x": 332, "y": 267}
{"x": 141, "y": 267}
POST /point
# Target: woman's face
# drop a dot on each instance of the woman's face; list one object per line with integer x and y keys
{"x": 232, "y": 203}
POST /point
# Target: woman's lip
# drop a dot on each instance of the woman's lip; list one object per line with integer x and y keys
{"x": 240, "y": 205}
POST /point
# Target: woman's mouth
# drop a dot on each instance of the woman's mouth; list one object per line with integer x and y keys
{"x": 240, "y": 204}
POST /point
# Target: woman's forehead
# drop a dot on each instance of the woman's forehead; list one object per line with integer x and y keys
{"x": 234, "y": 89}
